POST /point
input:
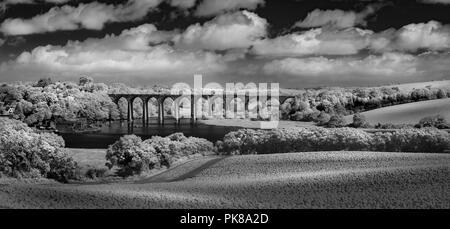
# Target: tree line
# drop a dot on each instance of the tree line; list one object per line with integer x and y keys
{"x": 37, "y": 103}
{"x": 321, "y": 105}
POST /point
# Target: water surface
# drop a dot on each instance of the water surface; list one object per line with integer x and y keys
{"x": 112, "y": 131}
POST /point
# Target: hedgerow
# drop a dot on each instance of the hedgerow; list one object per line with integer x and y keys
{"x": 25, "y": 153}
{"x": 248, "y": 141}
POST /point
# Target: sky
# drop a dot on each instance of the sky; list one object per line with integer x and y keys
{"x": 297, "y": 43}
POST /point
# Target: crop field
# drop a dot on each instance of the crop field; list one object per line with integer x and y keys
{"x": 409, "y": 113}
{"x": 296, "y": 180}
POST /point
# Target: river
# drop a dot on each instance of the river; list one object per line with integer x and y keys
{"x": 112, "y": 131}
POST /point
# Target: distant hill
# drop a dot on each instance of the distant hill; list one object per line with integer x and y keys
{"x": 409, "y": 113}
{"x": 432, "y": 84}
{"x": 444, "y": 84}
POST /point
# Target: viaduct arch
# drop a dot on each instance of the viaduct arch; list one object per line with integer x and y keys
{"x": 160, "y": 98}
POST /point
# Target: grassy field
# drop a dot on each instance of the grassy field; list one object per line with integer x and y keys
{"x": 409, "y": 113}
{"x": 296, "y": 180}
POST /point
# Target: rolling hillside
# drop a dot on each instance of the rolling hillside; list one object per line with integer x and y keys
{"x": 296, "y": 180}
{"x": 409, "y": 113}
{"x": 433, "y": 84}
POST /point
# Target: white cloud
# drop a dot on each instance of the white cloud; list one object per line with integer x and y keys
{"x": 227, "y": 31}
{"x": 315, "y": 42}
{"x": 141, "y": 52}
{"x": 330, "y": 41}
{"x": 57, "y": 1}
{"x": 385, "y": 65}
{"x": 183, "y": 4}
{"x": 89, "y": 16}
{"x": 430, "y": 36}
{"x": 335, "y": 18}
{"x": 215, "y": 7}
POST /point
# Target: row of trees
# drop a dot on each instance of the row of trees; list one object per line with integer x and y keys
{"x": 319, "y": 105}
{"x": 40, "y": 102}
{"x": 249, "y": 141}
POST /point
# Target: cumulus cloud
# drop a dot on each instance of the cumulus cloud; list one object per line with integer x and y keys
{"x": 228, "y": 31}
{"x": 431, "y": 36}
{"x": 142, "y": 52}
{"x": 93, "y": 15}
{"x": 215, "y": 7}
{"x": 335, "y": 18}
{"x": 387, "y": 64}
{"x": 315, "y": 42}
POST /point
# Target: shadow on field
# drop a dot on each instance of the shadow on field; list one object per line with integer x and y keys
{"x": 167, "y": 176}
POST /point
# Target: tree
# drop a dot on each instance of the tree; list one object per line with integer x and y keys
{"x": 85, "y": 80}
{"x": 441, "y": 94}
{"x": 336, "y": 121}
{"x": 437, "y": 121}
{"x": 359, "y": 121}
{"x": 44, "y": 82}
{"x": 323, "y": 119}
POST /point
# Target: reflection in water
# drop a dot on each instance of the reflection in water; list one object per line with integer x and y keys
{"x": 112, "y": 131}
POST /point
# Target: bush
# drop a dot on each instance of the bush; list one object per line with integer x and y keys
{"x": 176, "y": 146}
{"x": 336, "y": 121}
{"x": 94, "y": 173}
{"x": 44, "y": 82}
{"x": 437, "y": 121}
{"x": 386, "y": 126}
{"x": 323, "y": 119}
{"x": 25, "y": 153}
{"x": 248, "y": 141}
{"x": 359, "y": 121}
{"x": 133, "y": 156}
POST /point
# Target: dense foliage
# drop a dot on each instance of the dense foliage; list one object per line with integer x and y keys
{"x": 312, "y": 104}
{"x": 248, "y": 141}
{"x": 43, "y": 101}
{"x": 359, "y": 121}
{"x": 437, "y": 121}
{"x": 26, "y": 153}
{"x": 133, "y": 155}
